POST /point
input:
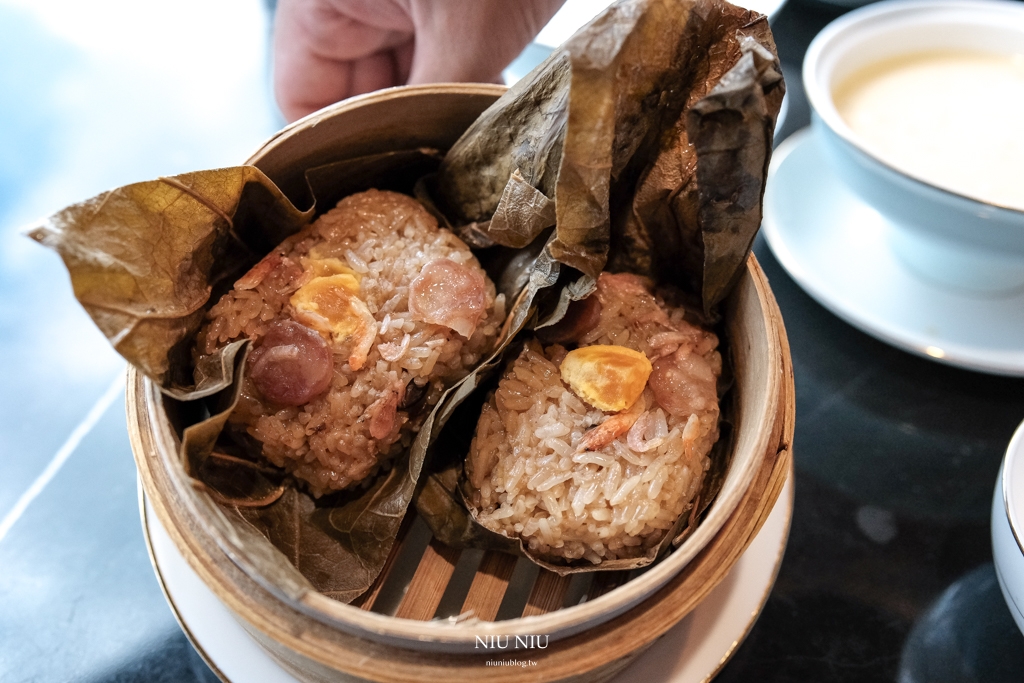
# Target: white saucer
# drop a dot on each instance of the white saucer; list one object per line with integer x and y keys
{"x": 836, "y": 248}
{"x": 691, "y": 652}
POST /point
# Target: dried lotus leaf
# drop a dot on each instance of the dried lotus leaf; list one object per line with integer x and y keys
{"x": 145, "y": 261}
{"x": 336, "y": 548}
{"x": 602, "y": 130}
{"x": 439, "y": 501}
{"x": 212, "y": 374}
{"x": 145, "y": 258}
{"x": 650, "y": 131}
{"x": 231, "y": 481}
{"x": 523, "y": 213}
{"x": 695, "y": 210}
{"x": 239, "y": 482}
{"x": 398, "y": 170}
{"x": 199, "y": 440}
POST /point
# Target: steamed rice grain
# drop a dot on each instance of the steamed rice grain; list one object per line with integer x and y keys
{"x": 529, "y": 472}
{"x": 389, "y": 364}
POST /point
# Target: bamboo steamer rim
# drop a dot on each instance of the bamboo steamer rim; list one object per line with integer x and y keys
{"x": 593, "y": 656}
{"x": 339, "y": 614}
{"x": 566, "y": 621}
{"x": 309, "y": 121}
{"x": 615, "y": 601}
{"x": 259, "y": 637}
{"x": 572, "y": 619}
{"x": 784, "y": 462}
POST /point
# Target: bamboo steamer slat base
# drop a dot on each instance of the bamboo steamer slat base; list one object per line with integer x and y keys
{"x": 620, "y": 614}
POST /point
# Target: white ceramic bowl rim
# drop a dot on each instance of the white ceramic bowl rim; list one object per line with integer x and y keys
{"x": 876, "y": 17}
{"x": 1013, "y": 485}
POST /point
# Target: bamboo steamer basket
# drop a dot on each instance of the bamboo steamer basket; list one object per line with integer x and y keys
{"x": 583, "y": 628}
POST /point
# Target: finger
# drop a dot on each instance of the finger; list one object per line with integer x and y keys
{"x": 474, "y": 41}
{"x": 344, "y": 29}
{"x": 304, "y": 82}
{"x": 373, "y": 73}
{"x": 403, "y": 60}
{"x": 315, "y": 49}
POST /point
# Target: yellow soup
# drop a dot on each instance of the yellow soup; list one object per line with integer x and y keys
{"x": 953, "y": 119}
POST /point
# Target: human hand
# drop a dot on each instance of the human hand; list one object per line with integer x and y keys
{"x": 327, "y": 50}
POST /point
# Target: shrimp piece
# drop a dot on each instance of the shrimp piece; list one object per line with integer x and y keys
{"x": 613, "y": 427}
{"x": 384, "y": 411}
{"x": 256, "y": 274}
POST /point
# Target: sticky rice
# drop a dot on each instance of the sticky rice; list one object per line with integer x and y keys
{"x": 596, "y": 452}
{"x": 359, "y": 323}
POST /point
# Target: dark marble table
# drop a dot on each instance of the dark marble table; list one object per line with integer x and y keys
{"x": 888, "y": 573}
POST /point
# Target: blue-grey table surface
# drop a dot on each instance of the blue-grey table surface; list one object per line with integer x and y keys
{"x": 888, "y": 574}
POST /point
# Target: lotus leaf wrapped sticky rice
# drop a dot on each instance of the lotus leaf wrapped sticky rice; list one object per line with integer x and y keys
{"x": 359, "y": 322}
{"x": 596, "y": 451}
